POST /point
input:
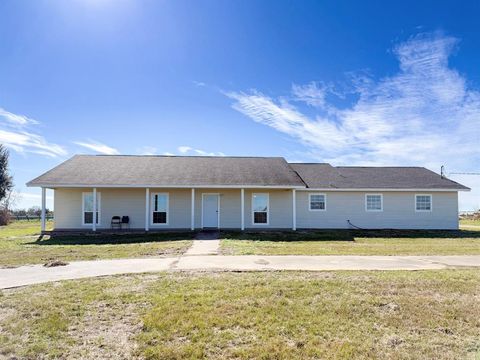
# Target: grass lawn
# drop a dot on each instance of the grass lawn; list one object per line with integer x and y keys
{"x": 269, "y": 315}
{"x": 19, "y": 245}
{"x": 346, "y": 242}
{"x": 468, "y": 222}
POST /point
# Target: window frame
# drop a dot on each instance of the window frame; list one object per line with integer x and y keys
{"x": 152, "y": 207}
{"x": 268, "y": 210}
{"x": 366, "y": 202}
{"x": 310, "y": 202}
{"x": 99, "y": 208}
{"x": 423, "y": 210}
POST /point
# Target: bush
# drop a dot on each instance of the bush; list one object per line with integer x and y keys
{"x": 5, "y": 217}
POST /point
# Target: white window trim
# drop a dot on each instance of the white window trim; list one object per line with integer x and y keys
{"x": 310, "y": 201}
{"x": 152, "y": 196}
{"x": 99, "y": 208}
{"x": 218, "y": 206}
{"x": 431, "y": 203}
{"x": 381, "y": 203}
{"x": 268, "y": 210}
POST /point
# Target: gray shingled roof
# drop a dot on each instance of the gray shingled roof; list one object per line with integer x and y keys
{"x": 113, "y": 170}
{"x": 122, "y": 170}
{"x": 325, "y": 176}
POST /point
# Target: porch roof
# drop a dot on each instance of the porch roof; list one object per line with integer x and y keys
{"x": 170, "y": 171}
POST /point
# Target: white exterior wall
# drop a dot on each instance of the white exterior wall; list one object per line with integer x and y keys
{"x": 229, "y": 207}
{"x": 398, "y": 209}
{"x": 280, "y": 215}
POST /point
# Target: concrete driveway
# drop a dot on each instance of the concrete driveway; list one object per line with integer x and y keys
{"x": 35, "y": 274}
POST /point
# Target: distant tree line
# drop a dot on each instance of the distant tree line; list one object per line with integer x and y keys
{"x": 31, "y": 213}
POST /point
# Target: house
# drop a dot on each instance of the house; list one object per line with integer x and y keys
{"x": 179, "y": 192}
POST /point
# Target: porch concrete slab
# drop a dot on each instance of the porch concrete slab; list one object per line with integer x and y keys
{"x": 36, "y": 274}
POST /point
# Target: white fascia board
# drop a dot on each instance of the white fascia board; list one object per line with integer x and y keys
{"x": 381, "y": 190}
{"x": 50, "y": 186}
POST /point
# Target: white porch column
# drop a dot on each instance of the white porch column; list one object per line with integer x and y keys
{"x": 147, "y": 208}
{"x": 242, "y": 212}
{"x": 94, "y": 218}
{"x": 192, "y": 220}
{"x": 294, "y": 210}
{"x": 43, "y": 208}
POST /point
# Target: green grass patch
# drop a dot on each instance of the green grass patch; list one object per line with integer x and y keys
{"x": 350, "y": 242}
{"x": 467, "y": 222}
{"x": 269, "y": 315}
{"x": 21, "y": 244}
{"x": 22, "y": 228}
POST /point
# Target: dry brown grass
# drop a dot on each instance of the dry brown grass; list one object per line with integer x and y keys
{"x": 274, "y": 315}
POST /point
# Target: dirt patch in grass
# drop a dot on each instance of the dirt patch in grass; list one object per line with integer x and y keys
{"x": 55, "y": 263}
{"x": 85, "y": 319}
{"x": 104, "y": 332}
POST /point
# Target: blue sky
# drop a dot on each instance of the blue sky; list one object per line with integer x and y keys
{"x": 346, "y": 82}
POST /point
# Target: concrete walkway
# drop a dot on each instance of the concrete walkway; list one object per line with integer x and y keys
{"x": 206, "y": 243}
{"x": 35, "y": 274}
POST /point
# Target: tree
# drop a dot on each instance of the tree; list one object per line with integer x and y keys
{"x": 6, "y": 182}
{"x": 34, "y": 211}
{"x": 6, "y": 187}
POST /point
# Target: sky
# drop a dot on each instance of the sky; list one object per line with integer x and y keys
{"x": 345, "y": 82}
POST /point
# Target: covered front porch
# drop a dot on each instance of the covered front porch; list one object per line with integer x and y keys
{"x": 172, "y": 208}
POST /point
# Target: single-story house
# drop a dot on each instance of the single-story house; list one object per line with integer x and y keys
{"x": 180, "y": 192}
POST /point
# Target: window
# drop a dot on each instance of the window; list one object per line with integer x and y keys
{"x": 317, "y": 202}
{"x": 87, "y": 208}
{"x": 159, "y": 208}
{"x": 260, "y": 208}
{"x": 374, "y": 202}
{"x": 423, "y": 202}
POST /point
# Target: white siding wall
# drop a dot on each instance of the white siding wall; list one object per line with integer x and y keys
{"x": 179, "y": 206}
{"x": 280, "y": 212}
{"x": 398, "y": 209}
{"x": 229, "y": 207}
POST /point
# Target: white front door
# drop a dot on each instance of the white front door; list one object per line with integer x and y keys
{"x": 210, "y": 210}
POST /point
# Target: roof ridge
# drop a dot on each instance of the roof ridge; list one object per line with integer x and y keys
{"x": 184, "y": 156}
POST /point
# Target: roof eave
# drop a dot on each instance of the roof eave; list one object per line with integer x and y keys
{"x": 386, "y": 189}
{"x": 208, "y": 186}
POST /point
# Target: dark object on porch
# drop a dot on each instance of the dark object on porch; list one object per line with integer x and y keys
{"x": 115, "y": 222}
{"x": 125, "y": 222}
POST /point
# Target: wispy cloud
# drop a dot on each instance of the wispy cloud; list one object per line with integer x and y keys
{"x": 15, "y": 119}
{"x": 97, "y": 147}
{"x": 27, "y": 142}
{"x": 184, "y": 149}
{"x": 17, "y": 134}
{"x": 313, "y": 94}
{"x": 187, "y": 150}
{"x": 199, "y": 83}
{"x": 425, "y": 114}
